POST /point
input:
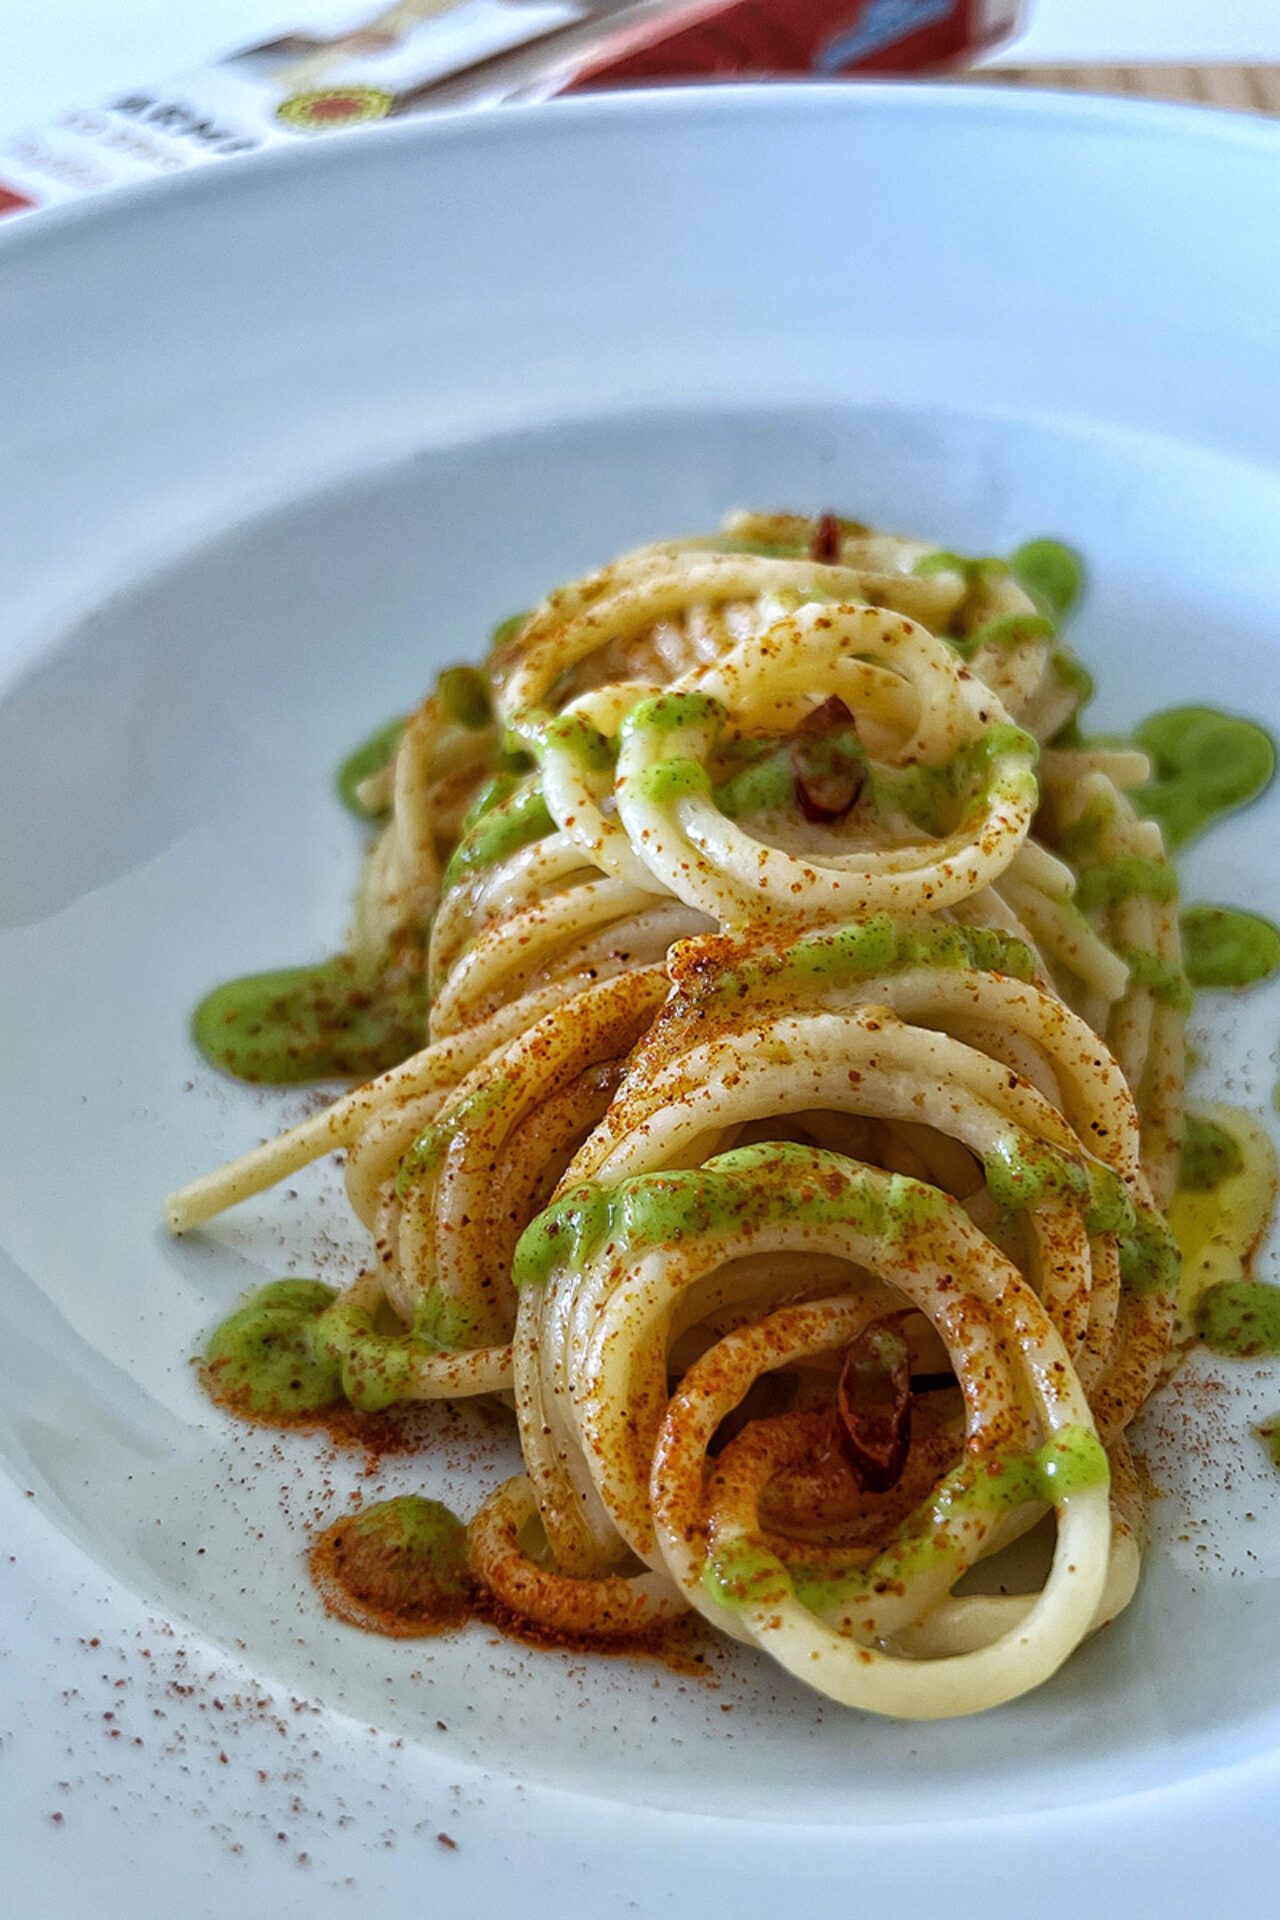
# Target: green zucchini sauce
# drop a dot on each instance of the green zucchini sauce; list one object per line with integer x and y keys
{"x": 1225, "y": 947}
{"x": 741, "y": 1574}
{"x": 1209, "y": 1155}
{"x": 1203, "y": 764}
{"x": 398, "y": 1567}
{"x": 1240, "y": 1318}
{"x": 345, "y": 1017}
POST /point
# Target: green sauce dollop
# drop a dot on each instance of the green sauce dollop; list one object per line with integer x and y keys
{"x": 1051, "y": 574}
{"x": 506, "y": 630}
{"x": 1150, "y": 1259}
{"x": 268, "y": 1360}
{"x": 374, "y": 754}
{"x": 1223, "y": 947}
{"x": 1210, "y": 1155}
{"x": 1203, "y": 764}
{"x": 1073, "y": 675}
{"x": 406, "y": 1557}
{"x": 1240, "y": 1318}
{"x": 345, "y": 1017}
{"x": 465, "y": 696}
{"x": 757, "y": 777}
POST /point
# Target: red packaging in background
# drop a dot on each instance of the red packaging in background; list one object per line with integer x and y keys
{"x": 415, "y": 55}
{"x": 760, "y": 37}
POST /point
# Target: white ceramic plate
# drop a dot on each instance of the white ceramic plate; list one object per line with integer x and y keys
{"x": 282, "y": 439}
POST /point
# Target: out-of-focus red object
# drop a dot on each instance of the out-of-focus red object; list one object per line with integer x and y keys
{"x": 815, "y": 37}
{"x": 419, "y": 55}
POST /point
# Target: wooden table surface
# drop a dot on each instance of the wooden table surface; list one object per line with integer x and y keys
{"x": 1247, "y": 89}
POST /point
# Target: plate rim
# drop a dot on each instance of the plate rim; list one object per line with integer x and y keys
{"x": 460, "y": 129}
{"x": 521, "y": 121}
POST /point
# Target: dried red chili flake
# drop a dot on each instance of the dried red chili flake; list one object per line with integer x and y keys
{"x": 873, "y": 1401}
{"x": 825, "y": 544}
{"x": 828, "y": 762}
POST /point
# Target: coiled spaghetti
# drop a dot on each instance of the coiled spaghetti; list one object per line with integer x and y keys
{"x": 802, "y": 1086}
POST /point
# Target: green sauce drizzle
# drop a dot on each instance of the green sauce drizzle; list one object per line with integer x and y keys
{"x": 1210, "y": 1155}
{"x": 344, "y": 1017}
{"x": 1082, "y": 839}
{"x": 508, "y": 775}
{"x": 591, "y": 748}
{"x": 669, "y": 712}
{"x": 1007, "y": 630}
{"x": 667, "y": 780}
{"x": 877, "y": 945}
{"x": 1163, "y": 979}
{"x": 756, "y": 775}
{"x": 762, "y": 781}
{"x": 1070, "y": 1463}
{"x": 1204, "y": 764}
{"x": 376, "y": 1368}
{"x": 506, "y": 630}
{"x": 856, "y": 953}
{"x": 746, "y": 1188}
{"x": 923, "y": 795}
{"x": 743, "y": 1573}
{"x": 464, "y": 694}
{"x": 376, "y": 752}
{"x": 1223, "y": 947}
{"x": 1149, "y": 1256}
{"x": 1073, "y": 675}
{"x": 512, "y": 816}
{"x": 974, "y": 571}
{"x": 929, "y": 797}
{"x": 429, "y": 1149}
{"x": 1108, "y": 882}
{"x": 1240, "y": 1318}
{"x": 444, "y": 1323}
{"x": 1109, "y": 1209}
{"x": 764, "y": 549}
{"x": 1023, "y": 1172}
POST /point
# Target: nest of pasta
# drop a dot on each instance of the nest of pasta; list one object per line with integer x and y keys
{"x": 796, "y": 1092}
